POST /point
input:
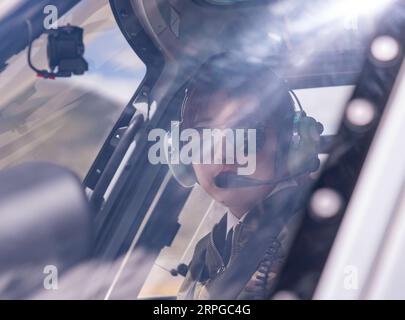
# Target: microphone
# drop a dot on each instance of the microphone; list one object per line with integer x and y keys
{"x": 231, "y": 180}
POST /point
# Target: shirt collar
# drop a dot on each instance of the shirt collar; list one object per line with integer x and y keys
{"x": 232, "y": 221}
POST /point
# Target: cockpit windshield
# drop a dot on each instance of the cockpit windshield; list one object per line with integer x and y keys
{"x": 217, "y": 141}
{"x": 40, "y": 118}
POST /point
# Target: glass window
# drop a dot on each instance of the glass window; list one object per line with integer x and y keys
{"x": 201, "y": 212}
{"x": 66, "y": 121}
{"x": 316, "y": 48}
{"x": 280, "y": 71}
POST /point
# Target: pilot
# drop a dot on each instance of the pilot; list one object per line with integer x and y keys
{"x": 244, "y": 251}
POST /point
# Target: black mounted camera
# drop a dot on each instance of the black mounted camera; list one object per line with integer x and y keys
{"x": 65, "y": 52}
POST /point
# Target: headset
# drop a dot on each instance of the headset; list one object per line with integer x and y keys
{"x": 301, "y": 157}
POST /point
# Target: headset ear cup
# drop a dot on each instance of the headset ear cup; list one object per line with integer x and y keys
{"x": 303, "y": 154}
{"x": 314, "y": 164}
{"x": 184, "y": 174}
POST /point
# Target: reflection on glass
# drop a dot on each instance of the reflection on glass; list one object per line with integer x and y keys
{"x": 53, "y": 120}
{"x": 318, "y": 47}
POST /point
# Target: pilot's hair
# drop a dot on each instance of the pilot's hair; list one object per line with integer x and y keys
{"x": 238, "y": 78}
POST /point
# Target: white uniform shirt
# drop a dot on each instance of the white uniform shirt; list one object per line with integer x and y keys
{"x": 232, "y": 221}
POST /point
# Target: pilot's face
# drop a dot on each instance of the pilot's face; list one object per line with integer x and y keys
{"x": 222, "y": 112}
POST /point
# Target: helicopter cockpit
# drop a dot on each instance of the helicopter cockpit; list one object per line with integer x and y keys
{"x": 141, "y": 222}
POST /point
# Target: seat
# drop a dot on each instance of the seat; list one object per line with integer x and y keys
{"x": 45, "y": 224}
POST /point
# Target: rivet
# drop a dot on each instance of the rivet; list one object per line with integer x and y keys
{"x": 325, "y": 203}
{"x": 385, "y": 48}
{"x": 360, "y": 112}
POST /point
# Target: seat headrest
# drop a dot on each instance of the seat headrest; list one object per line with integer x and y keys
{"x": 45, "y": 220}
